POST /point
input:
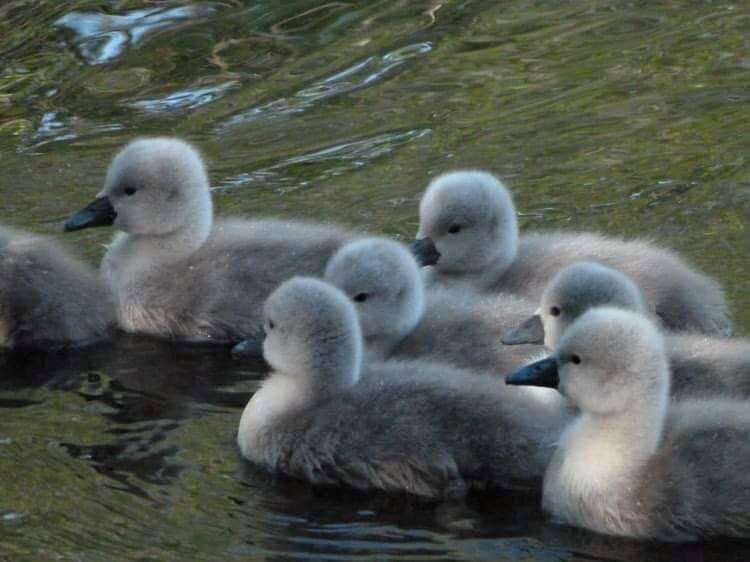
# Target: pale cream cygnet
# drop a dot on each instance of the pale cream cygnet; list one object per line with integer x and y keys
{"x": 633, "y": 463}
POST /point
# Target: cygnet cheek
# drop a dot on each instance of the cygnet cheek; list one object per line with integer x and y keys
{"x": 270, "y": 350}
{"x": 122, "y": 223}
{"x": 550, "y": 332}
{"x": 565, "y": 387}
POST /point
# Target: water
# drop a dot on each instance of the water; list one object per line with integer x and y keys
{"x": 628, "y": 117}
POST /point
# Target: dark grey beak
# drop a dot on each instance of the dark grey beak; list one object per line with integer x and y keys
{"x": 425, "y": 252}
{"x": 251, "y": 347}
{"x": 97, "y": 213}
{"x": 542, "y": 373}
{"x": 531, "y": 331}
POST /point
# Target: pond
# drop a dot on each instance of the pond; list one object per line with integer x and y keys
{"x": 627, "y": 117}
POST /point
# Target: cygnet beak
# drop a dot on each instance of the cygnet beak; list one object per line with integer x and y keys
{"x": 424, "y": 251}
{"x": 97, "y": 213}
{"x": 530, "y": 331}
{"x": 251, "y": 347}
{"x": 542, "y": 373}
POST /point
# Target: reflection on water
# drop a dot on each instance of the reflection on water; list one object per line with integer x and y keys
{"x": 101, "y": 38}
{"x": 184, "y": 99}
{"x": 336, "y": 160}
{"x": 631, "y": 119}
{"x": 358, "y": 75}
{"x": 53, "y": 127}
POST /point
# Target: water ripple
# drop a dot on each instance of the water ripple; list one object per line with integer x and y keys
{"x": 342, "y": 157}
{"x": 53, "y": 127}
{"x": 189, "y": 98}
{"x": 102, "y": 38}
{"x": 358, "y": 75}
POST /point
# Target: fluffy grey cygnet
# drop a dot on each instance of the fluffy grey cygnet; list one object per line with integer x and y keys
{"x": 400, "y": 320}
{"x": 48, "y": 299}
{"x": 631, "y": 464}
{"x": 700, "y": 364}
{"x": 174, "y": 271}
{"x": 470, "y": 219}
{"x": 413, "y": 427}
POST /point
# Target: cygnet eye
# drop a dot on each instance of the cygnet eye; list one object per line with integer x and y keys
{"x": 129, "y": 190}
{"x": 361, "y": 297}
{"x": 271, "y": 325}
{"x": 575, "y": 359}
{"x": 554, "y": 311}
{"x": 454, "y": 229}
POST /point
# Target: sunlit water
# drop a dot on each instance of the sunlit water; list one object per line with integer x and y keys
{"x": 626, "y": 117}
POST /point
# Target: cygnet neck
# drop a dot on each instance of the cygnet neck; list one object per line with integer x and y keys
{"x": 638, "y": 432}
{"x": 381, "y": 346}
{"x": 180, "y": 243}
{"x": 506, "y": 249}
{"x": 334, "y": 365}
{"x": 410, "y": 314}
{"x": 621, "y": 442}
{"x": 484, "y": 277}
{"x": 500, "y": 265}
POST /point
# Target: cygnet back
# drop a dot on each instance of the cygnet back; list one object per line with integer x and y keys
{"x": 703, "y": 366}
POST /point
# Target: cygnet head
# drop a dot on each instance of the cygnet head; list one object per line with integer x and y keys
{"x": 607, "y": 361}
{"x": 383, "y": 281}
{"x": 580, "y": 287}
{"x": 154, "y": 186}
{"x": 471, "y": 220}
{"x": 312, "y": 332}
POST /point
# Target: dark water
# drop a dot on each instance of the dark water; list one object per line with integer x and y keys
{"x": 628, "y": 117}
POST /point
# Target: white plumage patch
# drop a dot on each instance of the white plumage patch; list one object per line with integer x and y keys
{"x": 277, "y": 396}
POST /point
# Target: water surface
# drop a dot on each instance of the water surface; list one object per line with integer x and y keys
{"x": 625, "y": 117}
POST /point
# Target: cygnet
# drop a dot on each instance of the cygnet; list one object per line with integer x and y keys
{"x": 468, "y": 220}
{"x": 632, "y": 464}
{"x": 700, "y": 364}
{"x": 177, "y": 273}
{"x": 400, "y": 320}
{"x": 412, "y": 427}
{"x": 48, "y": 299}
